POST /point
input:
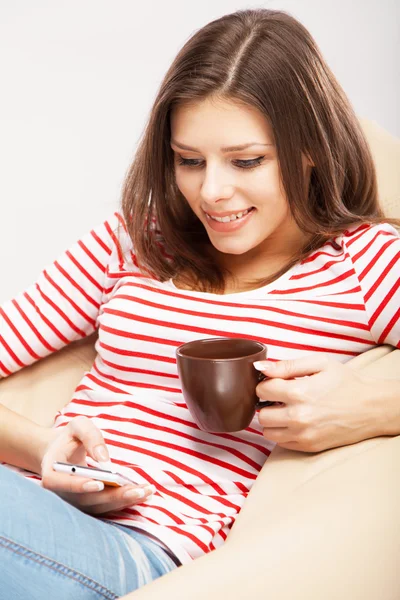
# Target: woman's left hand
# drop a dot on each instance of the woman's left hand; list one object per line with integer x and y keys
{"x": 330, "y": 405}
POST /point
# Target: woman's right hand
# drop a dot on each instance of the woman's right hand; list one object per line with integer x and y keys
{"x": 72, "y": 443}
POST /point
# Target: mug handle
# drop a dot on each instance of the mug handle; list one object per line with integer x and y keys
{"x": 264, "y": 403}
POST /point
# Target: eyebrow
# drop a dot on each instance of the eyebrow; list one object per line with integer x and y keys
{"x": 224, "y": 149}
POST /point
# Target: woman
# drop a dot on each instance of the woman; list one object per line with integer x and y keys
{"x": 250, "y": 210}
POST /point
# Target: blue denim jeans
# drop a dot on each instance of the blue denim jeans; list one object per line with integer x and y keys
{"x": 50, "y": 549}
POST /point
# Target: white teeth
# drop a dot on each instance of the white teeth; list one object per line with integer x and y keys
{"x": 227, "y": 218}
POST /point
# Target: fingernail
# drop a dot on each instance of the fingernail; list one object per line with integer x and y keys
{"x": 93, "y": 486}
{"x": 148, "y": 490}
{"x": 101, "y": 454}
{"x": 260, "y": 365}
{"x": 134, "y": 493}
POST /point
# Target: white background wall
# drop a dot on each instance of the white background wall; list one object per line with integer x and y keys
{"x": 77, "y": 81}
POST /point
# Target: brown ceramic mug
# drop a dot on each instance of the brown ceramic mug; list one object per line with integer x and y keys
{"x": 218, "y": 381}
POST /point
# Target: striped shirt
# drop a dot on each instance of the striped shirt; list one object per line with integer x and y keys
{"x": 341, "y": 300}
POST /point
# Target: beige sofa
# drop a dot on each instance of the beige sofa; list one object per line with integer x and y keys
{"x": 316, "y": 526}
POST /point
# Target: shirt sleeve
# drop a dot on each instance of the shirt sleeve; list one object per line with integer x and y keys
{"x": 62, "y": 305}
{"x": 375, "y": 253}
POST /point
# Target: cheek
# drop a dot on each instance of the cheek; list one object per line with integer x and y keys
{"x": 266, "y": 183}
{"x": 189, "y": 188}
{"x": 185, "y": 184}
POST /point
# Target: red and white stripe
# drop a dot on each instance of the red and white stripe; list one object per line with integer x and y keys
{"x": 340, "y": 301}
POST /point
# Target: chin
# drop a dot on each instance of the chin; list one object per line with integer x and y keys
{"x": 232, "y": 248}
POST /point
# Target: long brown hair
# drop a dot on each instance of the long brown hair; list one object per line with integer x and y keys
{"x": 267, "y": 60}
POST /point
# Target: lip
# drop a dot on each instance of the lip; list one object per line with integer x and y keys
{"x": 226, "y": 213}
{"x": 231, "y": 225}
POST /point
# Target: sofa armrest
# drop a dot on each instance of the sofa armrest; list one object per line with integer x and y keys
{"x": 42, "y": 389}
{"x": 314, "y": 526}
{"x": 286, "y": 470}
{"x": 337, "y": 536}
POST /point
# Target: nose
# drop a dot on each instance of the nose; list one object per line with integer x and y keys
{"x": 216, "y": 185}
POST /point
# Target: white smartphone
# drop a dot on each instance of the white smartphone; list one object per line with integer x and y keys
{"x": 107, "y": 477}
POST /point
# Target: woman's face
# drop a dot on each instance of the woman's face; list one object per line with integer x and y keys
{"x": 226, "y": 167}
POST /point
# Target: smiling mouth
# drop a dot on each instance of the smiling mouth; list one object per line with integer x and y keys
{"x": 228, "y": 218}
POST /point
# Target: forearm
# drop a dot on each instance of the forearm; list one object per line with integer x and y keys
{"x": 382, "y": 389}
{"x": 386, "y": 396}
{"x": 22, "y": 442}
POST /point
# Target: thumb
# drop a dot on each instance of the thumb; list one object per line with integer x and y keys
{"x": 91, "y": 437}
{"x": 289, "y": 369}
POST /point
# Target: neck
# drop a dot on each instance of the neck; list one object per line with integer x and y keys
{"x": 263, "y": 262}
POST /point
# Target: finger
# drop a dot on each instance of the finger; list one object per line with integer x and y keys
{"x": 116, "y": 496}
{"x": 280, "y": 390}
{"x": 279, "y": 435}
{"x": 60, "y": 450}
{"x": 297, "y": 367}
{"x": 128, "y": 498}
{"x": 291, "y": 446}
{"x": 91, "y": 437}
{"x": 274, "y": 417}
{"x": 62, "y": 482}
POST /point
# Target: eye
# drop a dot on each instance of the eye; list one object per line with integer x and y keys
{"x": 189, "y": 162}
{"x": 241, "y": 164}
{"x": 249, "y": 164}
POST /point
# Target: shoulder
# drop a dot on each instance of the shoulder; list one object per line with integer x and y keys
{"x": 111, "y": 229}
{"x": 122, "y": 251}
{"x": 112, "y": 237}
{"x": 366, "y": 242}
{"x": 116, "y": 225}
{"x": 123, "y": 247}
{"x": 374, "y": 252}
{"x": 123, "y": 255}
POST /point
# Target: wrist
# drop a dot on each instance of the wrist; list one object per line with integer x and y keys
{"x": 384, "y": 397}
{"x": 22, "y": 441}
{"x": 44, "y": 436}
{"x": 391, "y": 425}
